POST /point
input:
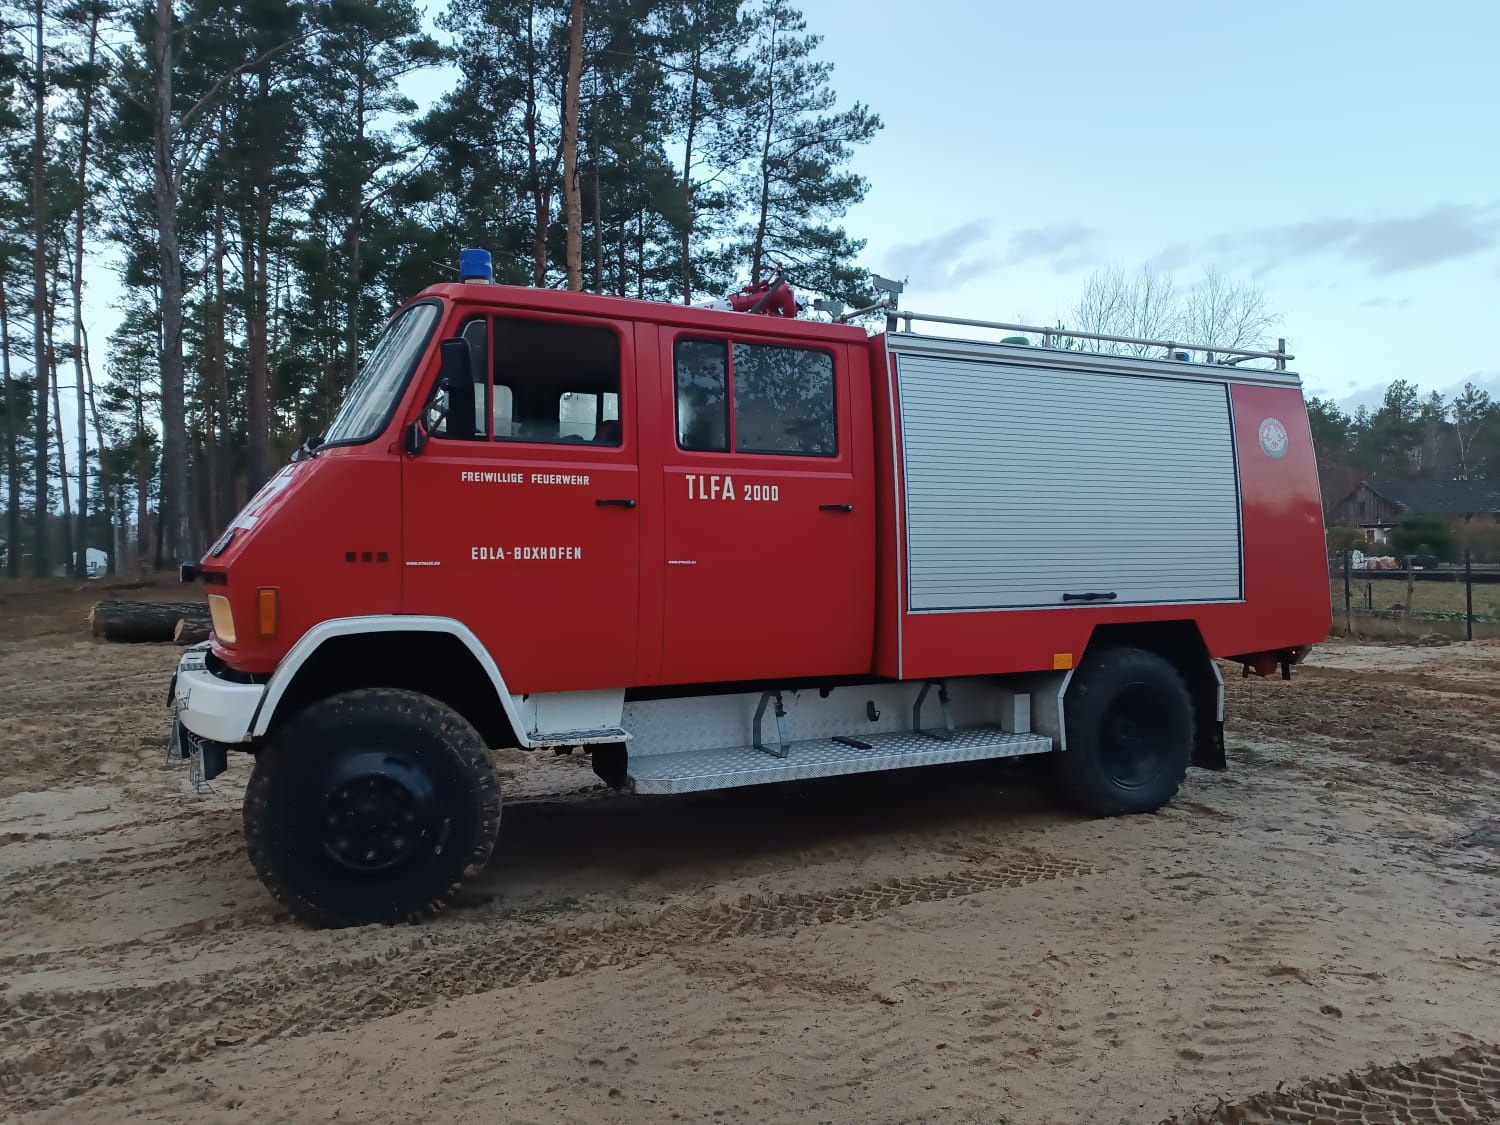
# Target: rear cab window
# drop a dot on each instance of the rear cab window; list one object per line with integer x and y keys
{"x": 754, "y": 398}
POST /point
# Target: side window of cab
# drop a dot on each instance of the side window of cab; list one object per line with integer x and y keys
{"x": 754, "y": 398}
{"x": 555, "y": 382}
{"x": 535, "y": 381}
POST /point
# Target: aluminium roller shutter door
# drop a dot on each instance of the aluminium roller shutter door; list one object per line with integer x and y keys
{"x": 1024, "y": 484}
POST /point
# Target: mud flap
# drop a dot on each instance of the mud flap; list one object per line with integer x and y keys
{"x": 610, "y": 761}
{"x": 1208, "y": 701}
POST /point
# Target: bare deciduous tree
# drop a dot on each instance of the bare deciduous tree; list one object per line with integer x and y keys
{"x": 1149, "y": 305}
{"x": 1231, "y": 314}
{"x": 1114, "y": 303}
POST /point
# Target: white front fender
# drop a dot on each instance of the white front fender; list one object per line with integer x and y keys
{"x": 314, "y": 638}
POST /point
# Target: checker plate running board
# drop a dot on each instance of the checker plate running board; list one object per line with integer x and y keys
{"x": 696, "y": 770}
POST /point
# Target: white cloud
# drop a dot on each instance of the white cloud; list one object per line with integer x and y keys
{"x": 963, "y": 253}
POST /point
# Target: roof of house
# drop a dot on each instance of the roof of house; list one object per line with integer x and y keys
{"x": 1441, "y": 497}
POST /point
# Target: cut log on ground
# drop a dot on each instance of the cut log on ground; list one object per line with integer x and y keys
{"x": 140, "y": 622}
{"x": 191, "y": 630}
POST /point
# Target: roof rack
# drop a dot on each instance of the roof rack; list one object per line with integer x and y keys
{"x": 1212, "y": 353}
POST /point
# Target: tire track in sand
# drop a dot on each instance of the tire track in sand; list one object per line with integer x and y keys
{"x": 71, "y": 1042}
{"x": 1463, "y": 1087}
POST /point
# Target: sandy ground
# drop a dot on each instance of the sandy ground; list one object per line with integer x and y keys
{"x": 1315, "y": 931}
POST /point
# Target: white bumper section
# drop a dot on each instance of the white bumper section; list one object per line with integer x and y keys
{"x": 211, "y": 708}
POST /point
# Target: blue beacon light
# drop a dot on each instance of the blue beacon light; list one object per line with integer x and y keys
{"x": 475, "y": 264}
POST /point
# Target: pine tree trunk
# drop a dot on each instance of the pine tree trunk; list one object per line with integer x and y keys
{"x": 142, "y": 500}
{"x": 540, "y": 198}
{"x": 210, "y": 462}
{"x": 598, "y": 231}
{"x": 224, "y": 501}
{"x": 80, "y": 564}
{"x": 173, "y": 506}
{"x": 356, "y": 243}
{"x": 109, "y": 496}
{"x": 136, "y": 622}
{"x": 640, "y": 255}
{"x": 572, "y": 204}
{"x": 257, "y": 257}
{"x": 39, "y": 298}
{"x": 213, "y": 343}
{"x": 12, "y": 454}
{"x": 255, "y": 353}
{"x": 57, "y": 420}
{"x": 757, "y": 251}
{"x": 687, "y": 165}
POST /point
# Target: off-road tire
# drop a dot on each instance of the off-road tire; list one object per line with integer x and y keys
{"x": 1125, "y": 704}
{"x": 304, "y": 770}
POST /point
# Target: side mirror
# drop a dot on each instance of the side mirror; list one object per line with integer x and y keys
{"x": 416, "y": 438}
{"x": 455, "y": 375}
{"x": 456, "y": 381}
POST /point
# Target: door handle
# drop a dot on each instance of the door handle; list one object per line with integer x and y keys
{"x": 610, "y": 502}
{"x": 835, "y": 507}
{"x": 1104, "y": 596}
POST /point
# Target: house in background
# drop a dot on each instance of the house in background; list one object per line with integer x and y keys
{"x": 95, "y": 563}
{"x": 1377, "y": 506}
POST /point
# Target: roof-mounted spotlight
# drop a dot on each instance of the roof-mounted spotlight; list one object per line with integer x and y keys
{"x": 891, "y": 289}
{"x": 830, "y": 305}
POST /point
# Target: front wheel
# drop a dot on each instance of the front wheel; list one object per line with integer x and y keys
{"x": 371, "y": 806}
{"x": 1130, "y": 733}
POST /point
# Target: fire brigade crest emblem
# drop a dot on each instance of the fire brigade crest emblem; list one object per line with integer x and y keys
{"x": 1273, "y": 439}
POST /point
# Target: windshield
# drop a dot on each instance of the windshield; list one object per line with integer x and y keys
{"x": 368, "y": 405}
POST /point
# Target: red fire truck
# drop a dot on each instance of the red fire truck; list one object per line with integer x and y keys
{"x": 714, "y": 549}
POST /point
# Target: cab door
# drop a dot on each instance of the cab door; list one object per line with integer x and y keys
{"x": 520, "y": 517}
{"x": 768, "y": 549}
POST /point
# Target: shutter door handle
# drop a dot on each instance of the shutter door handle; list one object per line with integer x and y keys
{"x": 835, "y": 507}
{"x": 1092, "y": 596}
{"x": 611, "y": 502}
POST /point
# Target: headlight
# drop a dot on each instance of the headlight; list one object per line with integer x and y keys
{"x": 223, "y": 617}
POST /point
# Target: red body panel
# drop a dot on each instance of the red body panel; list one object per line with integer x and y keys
{"x": 507, "y": 537}
{"x": 347, "y": 501}
{"x": 765, "y": 575}
{"x": 687, "y": 586}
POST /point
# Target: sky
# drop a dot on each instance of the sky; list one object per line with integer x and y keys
{"x": 1342, "y": 156}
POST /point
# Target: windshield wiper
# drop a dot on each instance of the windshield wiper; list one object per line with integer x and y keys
{"x": 308, "y": 448}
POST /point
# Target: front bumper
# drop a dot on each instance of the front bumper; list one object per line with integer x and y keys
{"x": 213, "y": 708}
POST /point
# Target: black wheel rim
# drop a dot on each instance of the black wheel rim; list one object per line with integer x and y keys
{"x": 1136, "y": 732}
{"x": 377, "y": 811}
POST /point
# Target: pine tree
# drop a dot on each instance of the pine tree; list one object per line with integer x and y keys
{"x": 132, "y": 399}
{"x": 12, "y": 251}
{"x": 364, "y": 49}
{"x": 707, "y": 42}
{"x": 84, "y": 78}
{"x": 497, "y": 137}
{"x": 39, "y": 342}
{"x": 798, "y": 186}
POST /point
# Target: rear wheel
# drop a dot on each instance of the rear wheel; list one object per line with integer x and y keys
{"x": 371, "y": 806}
{"x": 1130, "y": 733}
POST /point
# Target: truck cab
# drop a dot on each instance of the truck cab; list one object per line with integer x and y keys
{"x": 707, "y": 548}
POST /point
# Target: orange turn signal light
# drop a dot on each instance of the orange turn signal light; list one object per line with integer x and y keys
{"x": 265, "y": 612}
